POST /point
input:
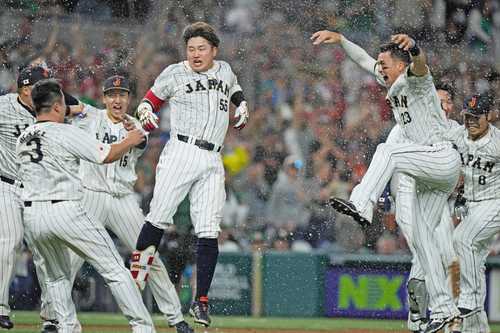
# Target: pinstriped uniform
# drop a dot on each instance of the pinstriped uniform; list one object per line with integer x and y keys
{"x": 434, "y": 165}
{"x": 49, "y": 155}
{"x": 14, "y": 119}
{"x": 109, "y": 199}
{"x": 475, "y": 234}
{"x": 403, "y": 188}
{"x": 199, "y": 106}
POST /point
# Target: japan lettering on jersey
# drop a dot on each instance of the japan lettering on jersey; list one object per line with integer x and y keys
{"x": 49, "y": 157}
{"x": 199, "y": 102}
{"x": 417, "y": 108}
{"x": 481, "y": 163}
{"x": 14, "y": 119}
{"x": 116, "y": 178}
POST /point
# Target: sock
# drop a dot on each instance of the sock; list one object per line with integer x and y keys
{"x": 150, "y": 235}
{"x": 207, "y": 252}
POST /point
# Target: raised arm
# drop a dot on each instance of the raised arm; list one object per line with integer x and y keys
{"x": 353, "y": 51}
{"x": 418, "y": 65}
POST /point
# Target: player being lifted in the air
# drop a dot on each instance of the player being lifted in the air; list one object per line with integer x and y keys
{"x": 108, "y": 190}
{"x": 199, "y": 92}
{"x": 427, "y": 157}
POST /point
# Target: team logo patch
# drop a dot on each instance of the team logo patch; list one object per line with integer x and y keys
{"x": 473, "y": 101}
{"x": 117, "y": 82}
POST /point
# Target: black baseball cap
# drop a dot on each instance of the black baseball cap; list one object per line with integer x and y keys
{"x": 477, "y": 105}
{"x": 116, "y": 82}
{"x": 31, "y": 75}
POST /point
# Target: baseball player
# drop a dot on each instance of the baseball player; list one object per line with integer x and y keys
{"x": 108, "y": 193}
{"x": 427, "y": 157}
{"x": 199, "y": 91}
{"x": 49, "y": 154}
{"x": 403, "y": 190}
{"x": 479, "y": 145}
{"x": 16, "y": 114}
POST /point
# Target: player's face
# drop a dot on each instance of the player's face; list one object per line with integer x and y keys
{"x": 477, "y": 126}
{"x": 389, "y": 67}
{"x": 116, "y": 102}
{"x": 200, "y": 54}
{"x": 446, "y": 102}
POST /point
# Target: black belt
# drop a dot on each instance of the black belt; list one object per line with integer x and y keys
{"x": 29, "y": 203}
{"x": 202, "y": 144}
{"x": 8, "y": 181}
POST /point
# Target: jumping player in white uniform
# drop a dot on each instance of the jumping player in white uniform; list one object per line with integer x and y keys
{"x": 428, "y": 158}
{"x": 479, "y": 145}
{"x": 403, "y": 190}
{"x": 49, "y": 154}
{"x": 16, "y": 114}
{"x": 199, "y": 91}
{"x": 108, "y": 195}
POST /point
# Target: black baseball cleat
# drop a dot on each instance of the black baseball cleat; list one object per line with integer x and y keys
{"x": 6, "y": 323}
{"x": 199, "y": 310}
{"x": 49, "y": 326}
{"x": 465, "y": 313}
{"x": 183, "y": 327}
{"x": 347, "y": 208}
{"x": 435, "y": 325}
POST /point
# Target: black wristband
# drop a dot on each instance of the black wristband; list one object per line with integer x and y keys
{"x": 237, "y": 98}
{"x": 414, "y": 51}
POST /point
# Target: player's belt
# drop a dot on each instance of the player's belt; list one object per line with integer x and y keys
{"x": 200, "y": 143}
{"x": 9, "y": 181}
{"x": 29, "y": 203}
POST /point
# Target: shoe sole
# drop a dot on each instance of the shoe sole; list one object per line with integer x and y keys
{"x": 470, "y": 314}
{"x": 343, "y": 208}
{"x": 197, "y": 320}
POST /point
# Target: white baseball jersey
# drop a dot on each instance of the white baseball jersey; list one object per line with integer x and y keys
{"x": 49, "y": 154}
{"x": 109, "y": 199}
{"x": 199, "y": 102}
{"x": 116, "y": 178}
{"x": 14, "y": 119}
{"x": 481, "y": 163}
{"x": 435, "y": 168}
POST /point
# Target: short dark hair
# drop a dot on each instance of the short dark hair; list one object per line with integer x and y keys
{"x": 44, "y": 94}
{"x": 201, "y": 29}
{"x": 396, "y": 52}
{"x": 446, "y": 87}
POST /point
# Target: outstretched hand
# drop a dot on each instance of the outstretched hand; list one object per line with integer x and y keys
{"x": 326, "y": 37}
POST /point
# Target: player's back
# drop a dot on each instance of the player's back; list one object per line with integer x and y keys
{"x": 49, "y": 156}
{"x": 14, "y": 119}
{"x": 417, "y": 109}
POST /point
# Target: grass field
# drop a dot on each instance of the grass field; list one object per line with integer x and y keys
{"x": 116, "y": 323}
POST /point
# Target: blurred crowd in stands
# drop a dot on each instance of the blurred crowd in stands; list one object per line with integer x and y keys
{"x": 316, "y": 118}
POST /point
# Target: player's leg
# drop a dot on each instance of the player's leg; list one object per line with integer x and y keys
{"x": 177, "y": 169}
{"x": 436, "y": 165}
{"x": 472, "y": 239}
{"x": 90, "y": 240}
{"x": 11, "y": 237}
{"x": 96, "y": 204}
{"x": 403, "y": 188}
{"x": 125, "y": 220}
{"x": 429, "y": 206}
{"x": 449, "y": 257}
{"x": 207, "y": 199}
{"x": 56, "y": 265}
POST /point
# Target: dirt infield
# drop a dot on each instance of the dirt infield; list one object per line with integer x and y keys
{"x": 123, "y": 328}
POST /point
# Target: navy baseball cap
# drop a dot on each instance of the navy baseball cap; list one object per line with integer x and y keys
{"x": 31, "y": 75}
{"x": 116, "y": 82}
{"x": 477, "y": 105}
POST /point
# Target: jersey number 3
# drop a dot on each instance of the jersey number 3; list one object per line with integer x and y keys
{"x": 35, "y": 154}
